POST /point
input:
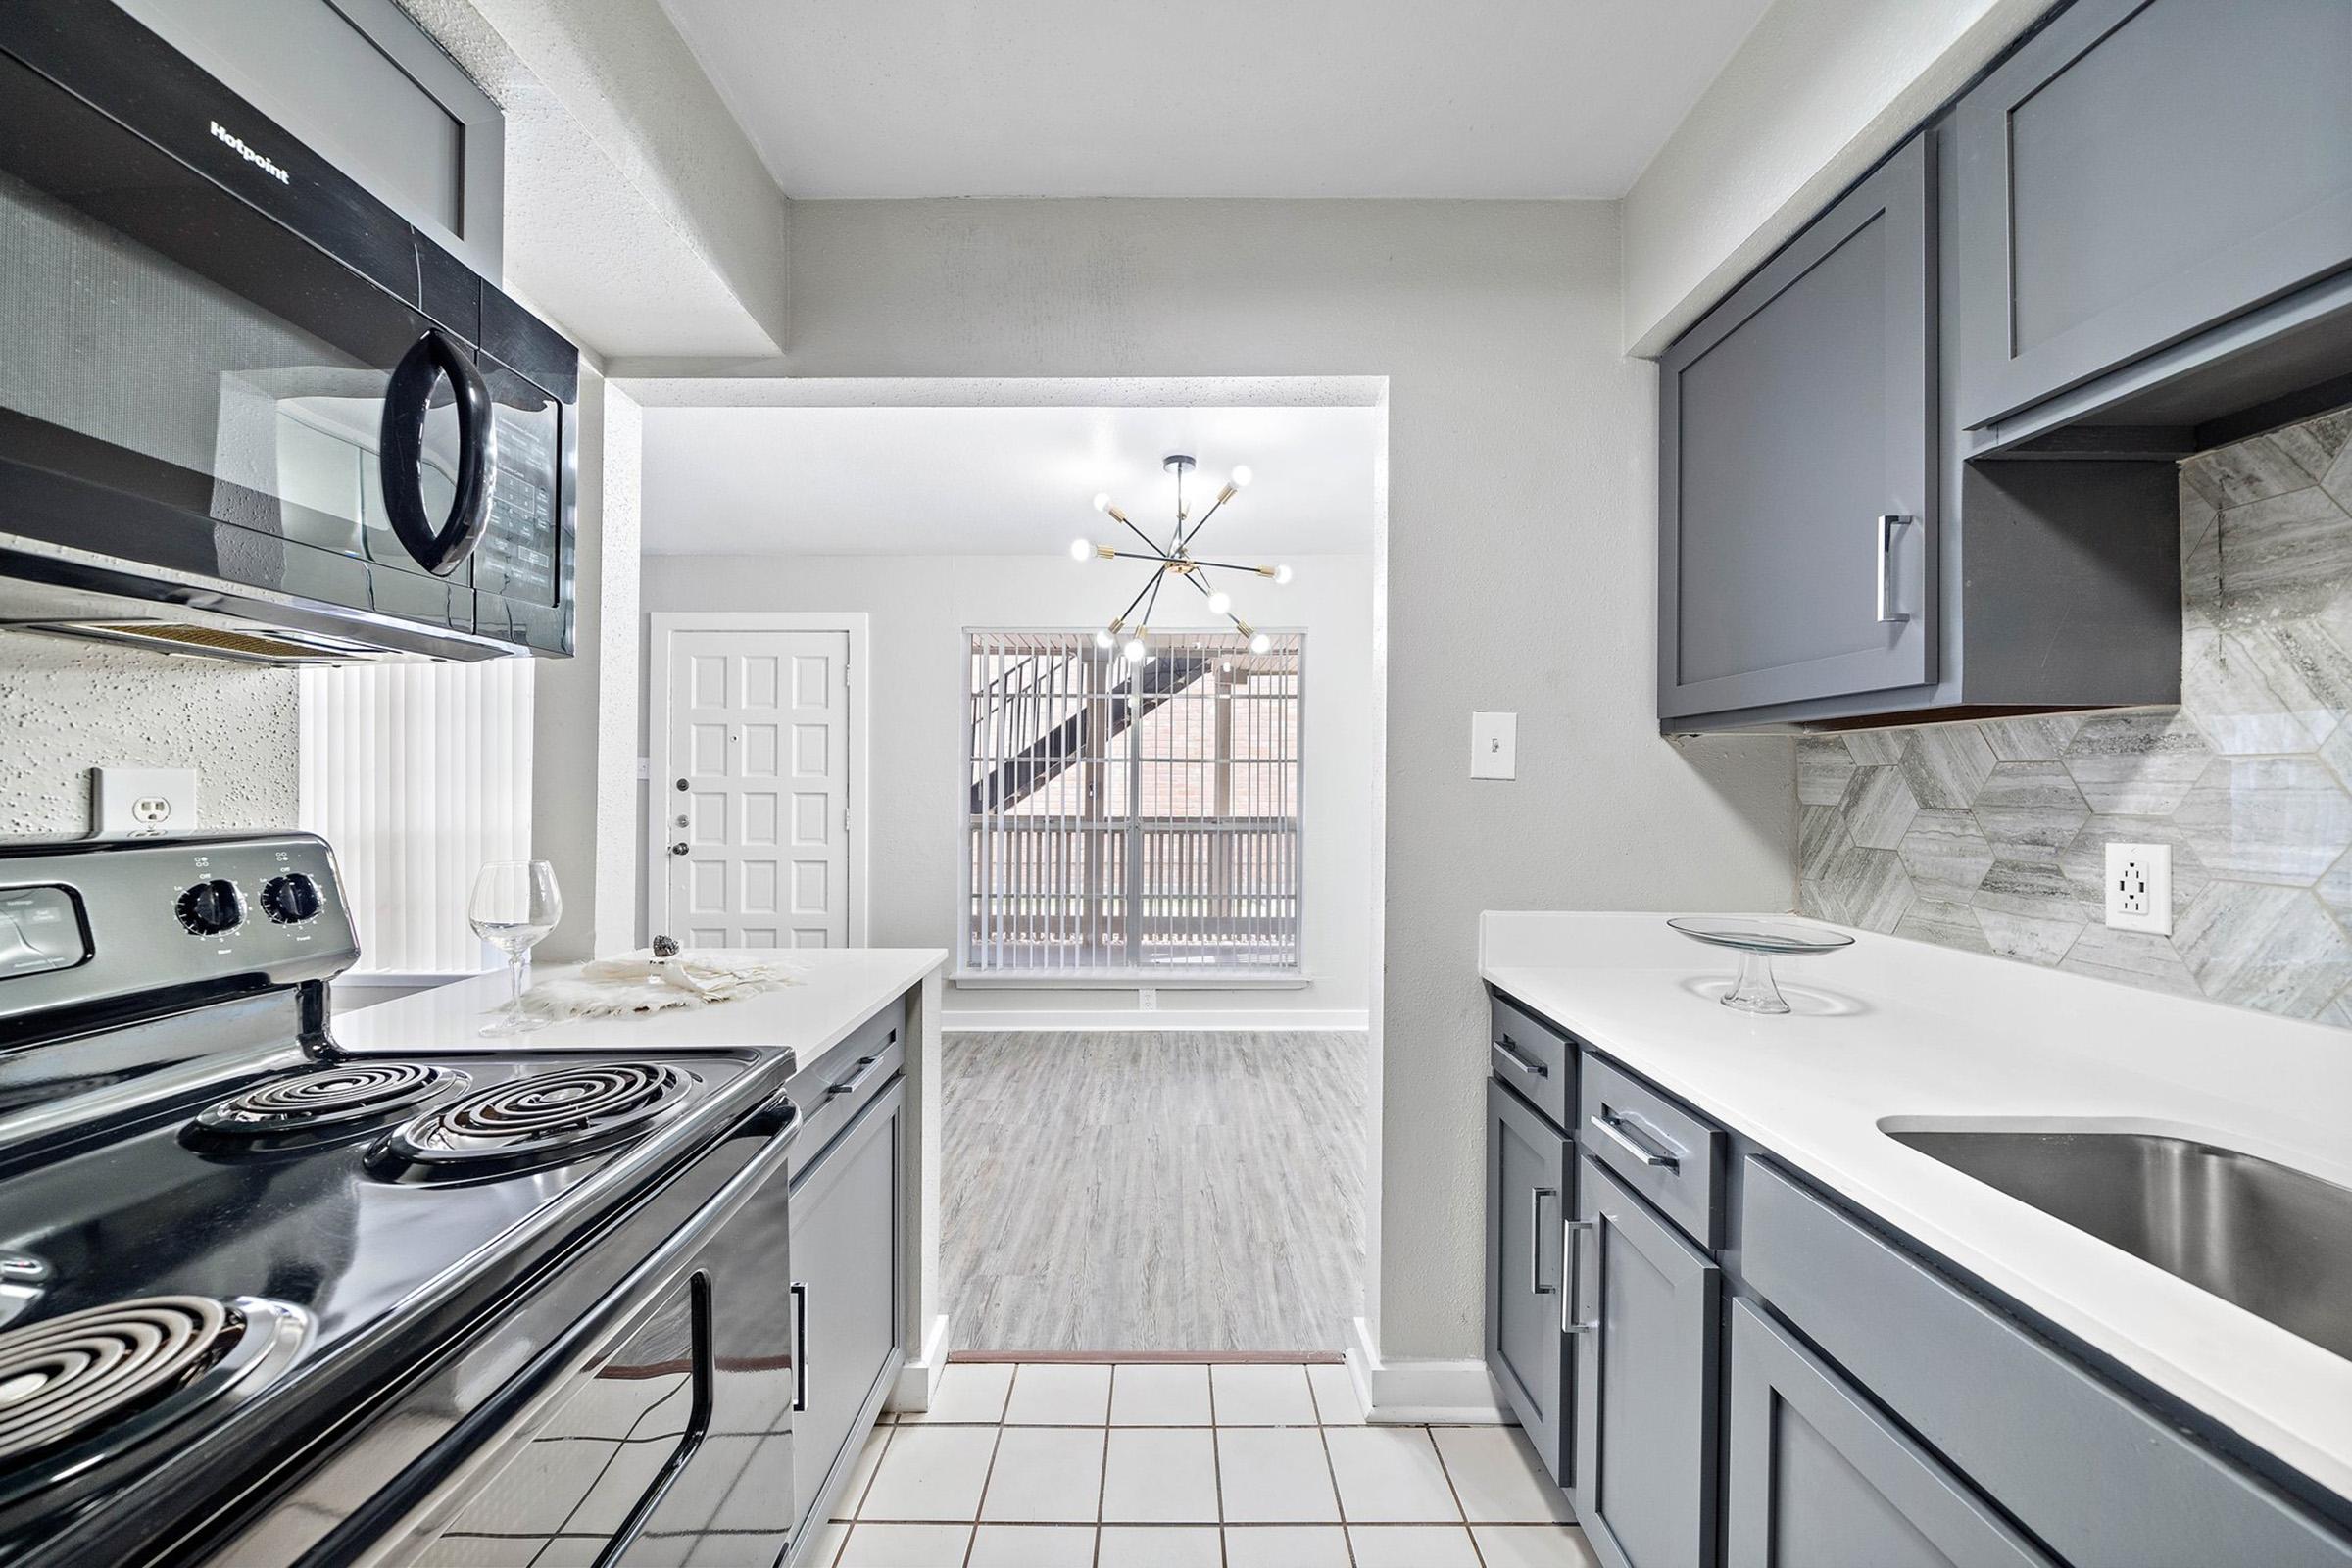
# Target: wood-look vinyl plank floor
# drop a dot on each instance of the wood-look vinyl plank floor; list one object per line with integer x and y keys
{"x": 1154, "y": 1190}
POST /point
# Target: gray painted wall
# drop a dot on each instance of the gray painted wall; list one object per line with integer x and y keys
{"x": 1519, "y": 563}
{"x": 1992, "y": 836}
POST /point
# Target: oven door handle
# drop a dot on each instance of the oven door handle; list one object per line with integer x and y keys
{"x": 439, "y": 547}
{"x": 799, "y": 1347}
{"x": 698, "y": 1423}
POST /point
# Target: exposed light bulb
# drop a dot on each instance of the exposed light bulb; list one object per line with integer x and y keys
{"x": 1081, "y": 549}
{"x": 1134, "y": 652}
{"x": 1103, "y": 639}
{"x": 1282, "y": 574}
{"x": 1219, "y": 602}
{"x": 1103, "y": 501}
{"x": 1259, "y": 643}
{"x": 1242, "y": 477}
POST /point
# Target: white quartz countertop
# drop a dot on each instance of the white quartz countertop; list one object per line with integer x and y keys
{"x": 1929, "y": 1036}
{"x": 835, "y": 989}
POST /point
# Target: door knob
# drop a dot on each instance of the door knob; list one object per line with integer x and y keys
{"x": 677, "y": 849}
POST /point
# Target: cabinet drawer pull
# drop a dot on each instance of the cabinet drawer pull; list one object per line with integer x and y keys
{"x": 849, "y": 1085}
{"x": 1535, "y": 1241}
{"x": 1520, "y": 1058}
{"x": 1888, "y": 523}
{"x": 800, "y": 1346}
{"x": 1575, "y": 1276}
{"x": 1615, "y": 1130}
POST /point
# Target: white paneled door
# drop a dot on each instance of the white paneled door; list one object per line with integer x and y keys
{"x": 755, "y": 815}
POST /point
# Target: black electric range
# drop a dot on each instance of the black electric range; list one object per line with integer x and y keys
{"x": 264, "y": 1301}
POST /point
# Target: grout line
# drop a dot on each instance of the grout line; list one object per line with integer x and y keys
{"x": 1455, "y": 1492}
{"x": 889, "y": 1433}
{"x": 1338, "y": 1501}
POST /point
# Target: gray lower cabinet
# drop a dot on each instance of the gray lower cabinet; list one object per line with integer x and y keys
{"x": 1797, "y": 478}
{"x": 1819, "y": 1478}
{"x": 2140, "y": 170}
{"x": 845, "y": 1253}
{"x": 1646, "y": 1307}
{"x": 1529, "y": 1164}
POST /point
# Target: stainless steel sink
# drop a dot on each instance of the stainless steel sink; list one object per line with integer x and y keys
{"x": 2272, "y": 1239}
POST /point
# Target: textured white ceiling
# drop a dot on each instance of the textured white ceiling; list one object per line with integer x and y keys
{"x": 912, "y": 480}
{"x": 1458, "y": 98}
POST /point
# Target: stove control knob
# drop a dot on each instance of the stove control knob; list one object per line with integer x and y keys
{"x": 211, "y": 908}
{"x": 291, "y": 899}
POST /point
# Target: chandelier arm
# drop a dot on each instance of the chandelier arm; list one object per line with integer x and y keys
{"x": 1138, "y": 599}
{"x": 1157, "y": 578}
{"x": 1157, "y": 554}
{"x": 1235, "y": 566}
{"x": 1187, "y": 540}
{"x": 1195, "y": 579}
{"x": 1137, "y": 554}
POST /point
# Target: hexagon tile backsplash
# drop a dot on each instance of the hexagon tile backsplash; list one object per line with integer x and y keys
{"x": 1993, "y": 835}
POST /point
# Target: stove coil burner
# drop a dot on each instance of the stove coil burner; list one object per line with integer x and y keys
{"x": 569, "y": 1111}
{"x": 324, "y": 1100}
{"x": 122, "y": 1371}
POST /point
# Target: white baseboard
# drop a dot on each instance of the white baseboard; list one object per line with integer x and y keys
{"x": 1098, "y": 1020}
{"x": 1411, "y": 1392}
{"x": 918, "y": 1375}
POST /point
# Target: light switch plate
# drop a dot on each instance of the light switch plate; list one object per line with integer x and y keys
{"x": 1493, "y": 744}
{"x": 141, "y": 802}
{"x": 2140, "y": 888}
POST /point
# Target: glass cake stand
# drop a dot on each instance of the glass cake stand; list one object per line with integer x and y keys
{"x": 1758, "y": 943}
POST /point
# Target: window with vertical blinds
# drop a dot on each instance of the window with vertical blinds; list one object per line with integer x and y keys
{"x": 417, "y": 774}
{"x": 1132, "y": 820}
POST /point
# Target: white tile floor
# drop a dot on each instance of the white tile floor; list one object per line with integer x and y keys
{"x": 1158, "y": 1466}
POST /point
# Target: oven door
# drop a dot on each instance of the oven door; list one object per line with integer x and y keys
{"x": 191, "y": 386}
{"x": 670, "y": 1444}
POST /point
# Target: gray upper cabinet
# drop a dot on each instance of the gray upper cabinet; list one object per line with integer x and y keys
{"x": 1528, "y": 1201}
{"x": 1796, "y": 477}
{"x": 2137, "y": 172}
{"x": 1648, "y": 1304}
{"x": 1819, "y": 1478}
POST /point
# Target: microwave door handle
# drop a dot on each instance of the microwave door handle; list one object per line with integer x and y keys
{"x": 438, "y": 546}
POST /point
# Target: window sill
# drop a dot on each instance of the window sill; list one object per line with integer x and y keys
{"x": 1123, "y": 980}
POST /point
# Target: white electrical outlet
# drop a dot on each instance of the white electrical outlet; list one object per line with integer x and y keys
{"x": 2139, "y": 887}
{"x": 1146, "y": 999}
{"x": 1493, "y": 744}
{"x": 136, "y": 802}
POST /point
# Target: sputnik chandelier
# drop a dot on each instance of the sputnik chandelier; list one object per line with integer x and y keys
{"x": 1177, "y": 560}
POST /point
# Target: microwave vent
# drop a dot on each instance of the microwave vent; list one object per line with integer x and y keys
{"x": 253, "y": 647}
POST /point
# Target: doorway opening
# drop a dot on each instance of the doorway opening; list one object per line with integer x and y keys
{"x": 1159, "y": 868}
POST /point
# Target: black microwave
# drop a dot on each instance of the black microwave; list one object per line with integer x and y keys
{"x": 246, "y": 409}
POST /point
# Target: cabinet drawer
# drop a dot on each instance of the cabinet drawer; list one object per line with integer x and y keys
{"x": 831, "y": 1092}
{"x": 1536, "y": 1060}
{"x": 1659, "y": 1150}
{"x": 2095, "y": 1477}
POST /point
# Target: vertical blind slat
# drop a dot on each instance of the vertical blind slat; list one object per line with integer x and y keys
{"x": 416, "y": 774}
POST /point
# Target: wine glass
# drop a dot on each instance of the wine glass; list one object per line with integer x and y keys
{"x": 514, "y": 904}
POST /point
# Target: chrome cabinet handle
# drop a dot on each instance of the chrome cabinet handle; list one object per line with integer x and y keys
{"x": 1535, "y": 1241}
{"x": 1520, "y": 1058}
{"x": 1888, "y": 523}
{"x": 1569, "y": 1232}
{"x": 1614, "y": 1129}
{"x": 800, "y": 1346}
{"x": 849, "y": 1085}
